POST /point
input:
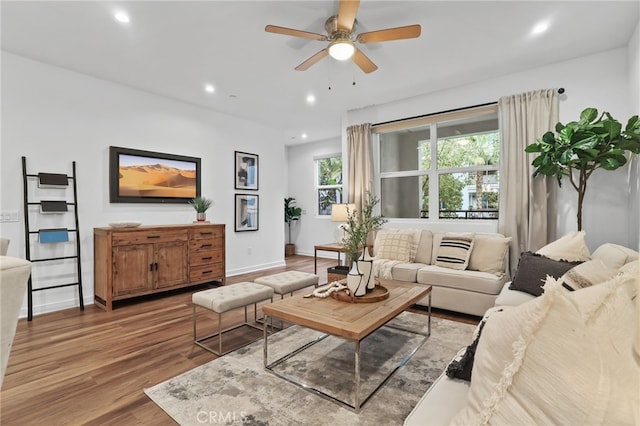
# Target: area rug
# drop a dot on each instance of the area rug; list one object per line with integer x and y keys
{"x": 236, "y": 389}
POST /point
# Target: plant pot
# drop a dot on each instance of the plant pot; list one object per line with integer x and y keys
{"x": 289, "y": 249}
{"x": 201, "y": 216}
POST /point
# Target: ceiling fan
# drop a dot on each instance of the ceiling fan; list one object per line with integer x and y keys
{"x": 341, "y": 36}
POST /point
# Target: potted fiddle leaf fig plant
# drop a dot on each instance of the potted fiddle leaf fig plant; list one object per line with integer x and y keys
{"x": 291, "y": 214}
{"x": 596, "y": 141}
{"x": 201, "y": 205}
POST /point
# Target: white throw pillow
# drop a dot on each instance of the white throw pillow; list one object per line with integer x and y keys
{"x": 393, "y": 246}
{"x": 557, "y": 360}
{"x": 454, "y": 250}
{"x": 489, "y": 254}
{"x": 570, "y": 247}
{"x": 587, "y": 274}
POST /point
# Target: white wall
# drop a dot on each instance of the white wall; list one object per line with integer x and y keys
{"x": 54, "y": 116}
{"x": 600, "y": 80}
{"x": 311, "y": 229}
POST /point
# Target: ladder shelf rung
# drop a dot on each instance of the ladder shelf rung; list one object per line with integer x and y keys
{"x": 49, "y": 259}
{"x": 54, "y": 286}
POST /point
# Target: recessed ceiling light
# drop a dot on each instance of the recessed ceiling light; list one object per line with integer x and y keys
{"x": 304, "y": 136}
{"x": 121, "y": 16}
{"x": 540, "y": 27}
{"x": 209, "y": 88}
{"x": 311, "y": 99}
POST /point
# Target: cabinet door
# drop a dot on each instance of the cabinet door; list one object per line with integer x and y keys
{"x": 132, "y": 269}
{"x": 172, "y": 259}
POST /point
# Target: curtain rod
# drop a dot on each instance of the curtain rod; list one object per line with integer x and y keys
{"x": 434, "y": 113}
{"x": 560, "y": 92}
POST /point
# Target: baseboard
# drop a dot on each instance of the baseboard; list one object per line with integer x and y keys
{"x": 60, "y": 305}
{"x": 255, "y": 268}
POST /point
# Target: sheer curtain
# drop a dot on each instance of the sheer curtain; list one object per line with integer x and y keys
{"x": 360, "y": 163}
{"x": 527, "y": 205}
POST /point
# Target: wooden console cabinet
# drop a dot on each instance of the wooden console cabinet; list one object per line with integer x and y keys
{"x": 131, "y": 262}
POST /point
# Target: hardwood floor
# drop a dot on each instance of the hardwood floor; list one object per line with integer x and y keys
{"x": 71, "y": 367}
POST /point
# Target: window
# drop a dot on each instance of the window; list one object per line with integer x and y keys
{"x": 445, "y": 163}
{"x": 328, "y": 183}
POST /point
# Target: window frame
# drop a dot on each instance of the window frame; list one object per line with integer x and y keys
{"x": 318, "y": 187}
{"x": 433, "y": 173}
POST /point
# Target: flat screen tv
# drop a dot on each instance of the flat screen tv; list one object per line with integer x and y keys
{"x": 137, "y": 176}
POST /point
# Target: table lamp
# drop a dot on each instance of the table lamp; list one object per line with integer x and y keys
{"x": 340, "y": 213}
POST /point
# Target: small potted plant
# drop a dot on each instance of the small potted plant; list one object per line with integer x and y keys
{"x": 201, "y": 205}
{"x": 291, "y": 214}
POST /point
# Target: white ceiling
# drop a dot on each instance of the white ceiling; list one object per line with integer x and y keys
{"x": 174, "y": 48}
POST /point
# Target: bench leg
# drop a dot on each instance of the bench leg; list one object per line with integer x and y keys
{"x": 221, "y": 331}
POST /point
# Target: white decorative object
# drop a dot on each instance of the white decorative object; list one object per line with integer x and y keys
{"x": 355, "y": 281}
{"x": 365, "y": 265}
{"x": 125, "y": 224}
{"x": 326, "y": 290}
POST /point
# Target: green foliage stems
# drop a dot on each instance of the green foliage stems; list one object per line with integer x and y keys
{"x": 359, "y": 226}
{"x": 581, "y": 147}
{"x": 291, "y": 213}
{"x": 201, "y": 204}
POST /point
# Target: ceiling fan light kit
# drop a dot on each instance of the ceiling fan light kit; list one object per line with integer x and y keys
{"x": 341, "y": 36}
{"x": 341, "y": 49}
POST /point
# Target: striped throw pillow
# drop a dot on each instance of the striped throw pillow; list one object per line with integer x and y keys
{"x": 455, "y": 250}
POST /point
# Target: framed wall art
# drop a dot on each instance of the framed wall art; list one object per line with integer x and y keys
{"x": 246, "y": 169}
{"x": 246, "y": 213}
{"x": 137, "y": 176}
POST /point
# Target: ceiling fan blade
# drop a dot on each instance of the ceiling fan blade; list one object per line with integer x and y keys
{"x": 363, "y": 62}
{"x": 312, "y": 60}
{"x": 399, "y": 33}
{"x": 347, "y": 14}
{"x": 295, "y": 33}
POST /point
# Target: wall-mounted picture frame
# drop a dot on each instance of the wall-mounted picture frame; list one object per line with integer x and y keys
{"x": 246, "y": 177}
{"x": 246, "y": 212}
{"x": 140, "y": 176}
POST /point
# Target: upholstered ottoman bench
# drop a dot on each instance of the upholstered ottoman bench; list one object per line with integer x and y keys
{"x": 224, "y": 299}
{"x": 288, "y": 282}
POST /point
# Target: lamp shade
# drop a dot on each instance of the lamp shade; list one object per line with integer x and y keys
{"x": 340, "y": 212}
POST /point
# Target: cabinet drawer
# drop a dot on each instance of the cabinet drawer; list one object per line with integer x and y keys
{"x": 205, "y": 257}
{"x": 141, "y": 237}
{"x": 206, "y": 272}
{"x": 206, "y": 245}
{"x": 206, "y": 232}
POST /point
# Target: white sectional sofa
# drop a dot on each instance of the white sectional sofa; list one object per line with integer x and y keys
{"x": 412, "y": 255}
{"x": 566, "y": 357}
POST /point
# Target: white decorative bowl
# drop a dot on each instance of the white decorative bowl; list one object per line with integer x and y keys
{"x": 125, "y": 224}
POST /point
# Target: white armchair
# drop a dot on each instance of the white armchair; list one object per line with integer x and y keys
{"x": 14, "y": 274}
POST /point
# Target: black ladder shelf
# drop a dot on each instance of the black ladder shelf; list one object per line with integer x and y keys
{"x": 51, "y": 235}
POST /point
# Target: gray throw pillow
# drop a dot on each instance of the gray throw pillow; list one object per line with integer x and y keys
{"x": 533, "y": 269}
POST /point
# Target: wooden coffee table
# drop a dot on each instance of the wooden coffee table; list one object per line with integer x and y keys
{"x": 350, "y": 321}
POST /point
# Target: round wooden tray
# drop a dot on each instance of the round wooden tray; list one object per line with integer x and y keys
{"x": 377, "y": 294}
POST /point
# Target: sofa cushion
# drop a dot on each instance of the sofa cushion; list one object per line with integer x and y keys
{"x": 533, "y": 269}
{"x": 614, "y": 255}
{"x": 489, "y": 254}
{"x": 393, "y": 246}
{"x": 406, "y": 271}
{"x": 587, "y": 274}
{"x": 454, "y": 250}
{"x": 475, "y": 281}
{"x": 440, "y": 403}
{"x": 570, "y": 247}
{"x": 562, "y": 358}
{"x": 508, "y": 297}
